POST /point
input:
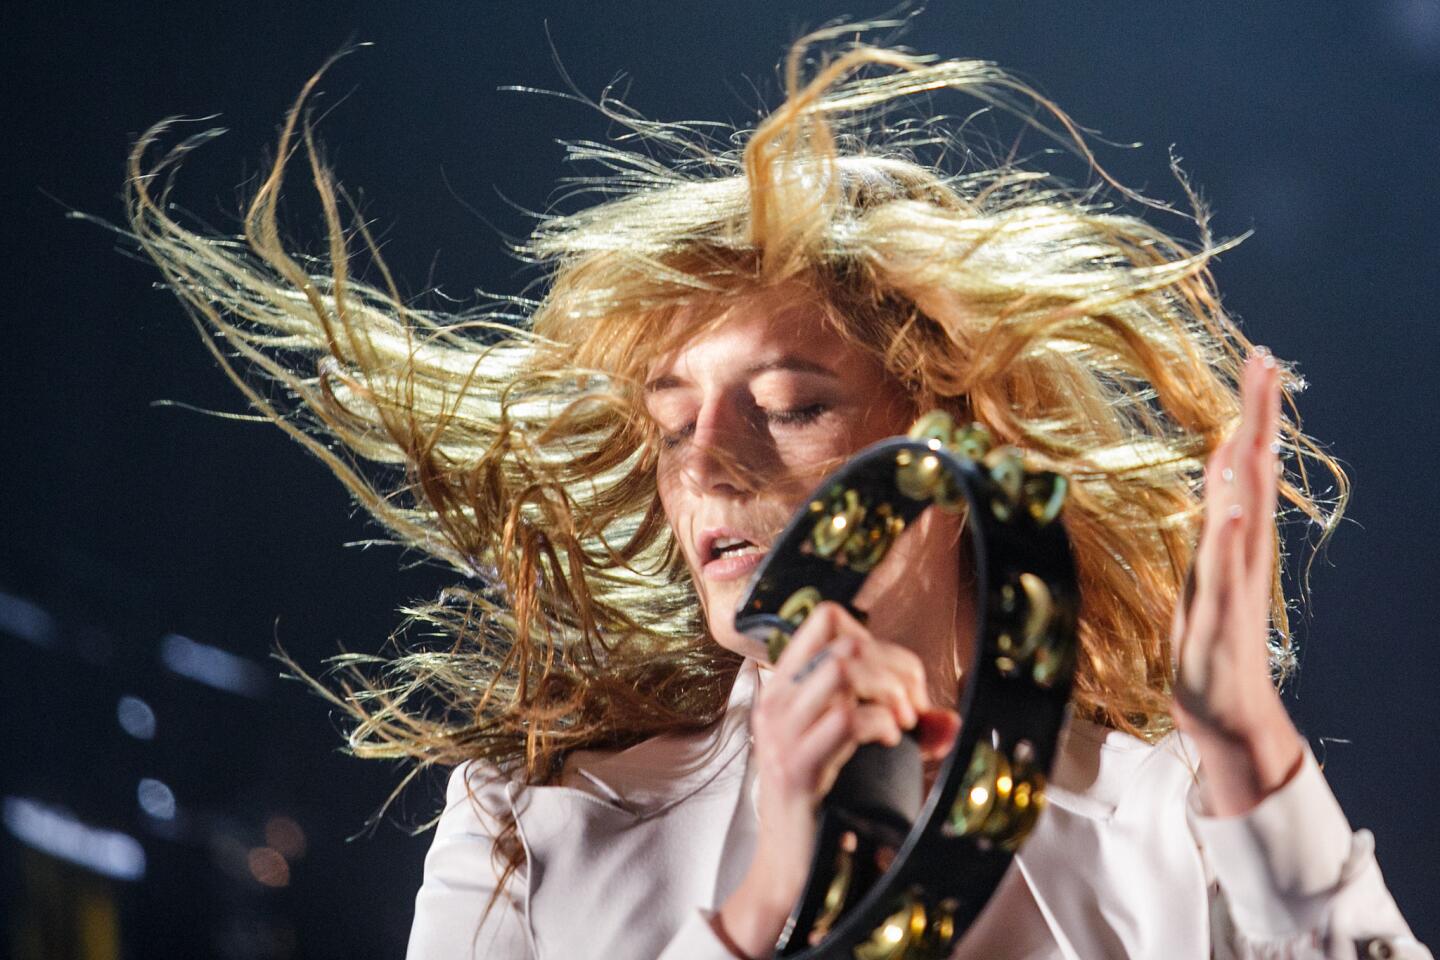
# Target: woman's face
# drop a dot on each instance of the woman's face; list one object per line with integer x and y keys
{"x": 753, "y": 415}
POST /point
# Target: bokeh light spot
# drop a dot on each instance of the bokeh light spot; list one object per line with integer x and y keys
{"x": 285, "y": 835}
{"x": 268, "y": 867}
{"x": 156, "y": 799}
{"x": 136, "y": 718}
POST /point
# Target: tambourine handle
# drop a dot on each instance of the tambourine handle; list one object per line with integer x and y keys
{"x": 881, "y": 786}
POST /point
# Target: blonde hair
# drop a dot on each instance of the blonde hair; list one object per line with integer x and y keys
{"x": 509, "y": 443}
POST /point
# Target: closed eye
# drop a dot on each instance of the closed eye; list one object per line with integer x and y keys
{"x": 799, "y": 416}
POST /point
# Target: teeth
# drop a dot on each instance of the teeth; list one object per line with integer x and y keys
{"x": 733, "y": 547}
{"x": 743, "y": 551}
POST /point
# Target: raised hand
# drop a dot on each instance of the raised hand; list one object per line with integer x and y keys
{"x": 1224, "y": 697}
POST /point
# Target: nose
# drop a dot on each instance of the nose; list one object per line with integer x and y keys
{"x": 725, "y": 453}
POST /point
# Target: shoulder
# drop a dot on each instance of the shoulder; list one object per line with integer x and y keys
{"x": 476, "y": 794}
{"x": 1115, "y": 834}
{"x": 1102, "y": 772}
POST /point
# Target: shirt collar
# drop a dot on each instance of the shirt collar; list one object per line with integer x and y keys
{"x": 659, "y": 772}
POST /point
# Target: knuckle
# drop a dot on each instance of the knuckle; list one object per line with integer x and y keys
{"x": 880, "y": 726}
{"x": 800, "y": 637}
{"x": 911, "y": 665}
{"x": 863, "y": 637}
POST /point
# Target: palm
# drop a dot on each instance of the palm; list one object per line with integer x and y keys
{"x": 1224, "y": 696}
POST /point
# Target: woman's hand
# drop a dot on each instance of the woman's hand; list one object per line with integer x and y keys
{"x": 835, "y": 687}
{"x": 1224, "y": 697}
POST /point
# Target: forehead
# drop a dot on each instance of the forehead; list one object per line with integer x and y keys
{"x": 787, "y": 327}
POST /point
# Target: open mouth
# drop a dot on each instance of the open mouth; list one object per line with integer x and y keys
{"x": 732, "y": 547}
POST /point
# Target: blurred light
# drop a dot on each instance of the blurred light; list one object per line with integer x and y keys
{"x": 136, "y": 718}
{"x": 56, "y": 832}
{"x": 23, "y": 619}
{"x": 285, "y": 835}
{"x": 269, "y": 867}
{"x": 156, "y": 799}
{"x": 212, "y": 666}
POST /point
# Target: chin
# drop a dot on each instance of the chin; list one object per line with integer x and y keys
{"x": 718, "y": 600}
{"x": 719, "y": 603}
{"x": 740, "y": 643}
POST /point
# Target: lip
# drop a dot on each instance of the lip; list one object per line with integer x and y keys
{"x": 728, "y": 568}
{"x": 732, "y": 568}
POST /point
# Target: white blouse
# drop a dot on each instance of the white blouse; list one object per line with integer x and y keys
{"x": 632, "y": 851}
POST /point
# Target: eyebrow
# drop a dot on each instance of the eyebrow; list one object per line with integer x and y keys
{"x": 787, "y": 362}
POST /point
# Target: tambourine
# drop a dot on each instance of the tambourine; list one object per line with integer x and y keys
{"x": 898, "y": 875}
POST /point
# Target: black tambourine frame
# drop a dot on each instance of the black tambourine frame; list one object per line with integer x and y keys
{"x": 897, "y": 875}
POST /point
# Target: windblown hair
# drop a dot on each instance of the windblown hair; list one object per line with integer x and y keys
{"x": 510, "y": 441}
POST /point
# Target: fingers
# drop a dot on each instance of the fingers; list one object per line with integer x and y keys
{"x": 833, "y": 740}
{"x": 836, "y": 687}
{"x": 1264, "y": 402}
{"x": 883, "y": 673}
{"x": 1255, "y": 456}
{"x": 1221, "y": 511}
{"x": 813, "y": 695}
{"x": 1240, "y": 477}
{"x": 876, "y": 671}
{"x": 1252, "y": 470}
{"x": 820, "y": 628}
{"x": 1235, "y": 557}
{"x": 808, "y": 758}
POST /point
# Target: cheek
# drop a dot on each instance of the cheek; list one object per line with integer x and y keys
{"x": 813, "y": 454}
{"x": 666, "y": 494}
{"x": 672, "y": 504}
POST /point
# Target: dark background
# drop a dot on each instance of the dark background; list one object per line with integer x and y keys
{"x": 125, "y": 522}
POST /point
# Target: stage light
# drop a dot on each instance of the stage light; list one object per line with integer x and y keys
{"x": 57, "y": 832}
{"x": 268, "y": 867}
{"x": 212, "y": 666}
{"x": 136, "y": 718}
{"x": 26, "y": 620}
{"x": 156, "y": 799}
{"x": 285, "y": 835}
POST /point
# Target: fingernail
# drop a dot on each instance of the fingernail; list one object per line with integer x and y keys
{"x": 1228, "y": 475}
{"x": 1276, "y": 447}
{"x": 1235, "y": 512}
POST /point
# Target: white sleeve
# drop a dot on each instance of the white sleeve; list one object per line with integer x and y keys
{"x": 1295, "y": 882}
{"x": 696, "y": 940}
{"x": 459, "y": 880}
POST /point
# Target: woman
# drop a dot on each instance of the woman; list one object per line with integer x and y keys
{"x": 632, "y": 778}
